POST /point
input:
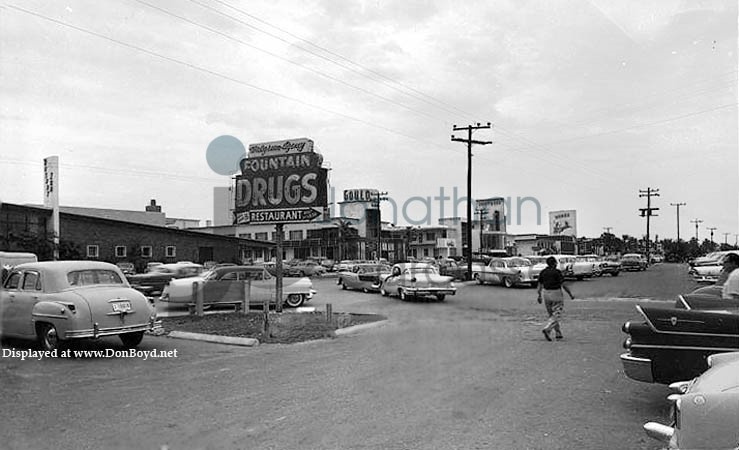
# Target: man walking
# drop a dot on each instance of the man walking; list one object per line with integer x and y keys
{"x": 551, "y": 284}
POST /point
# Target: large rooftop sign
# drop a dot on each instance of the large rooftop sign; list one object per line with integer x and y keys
{"x": 277, "y": 148}
{"x": 281, "y": 182}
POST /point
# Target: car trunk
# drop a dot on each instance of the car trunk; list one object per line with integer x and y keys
{"x": 115, "y": 307}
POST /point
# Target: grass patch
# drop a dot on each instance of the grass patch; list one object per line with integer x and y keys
{"x": 284, "y": 328}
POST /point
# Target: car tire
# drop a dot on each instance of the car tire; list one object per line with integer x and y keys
{"x": 294, "y": 300}
{"x": 614, "y": 274}
{"x": 534, "y": 284}
{"x": 478, "y": 279}
{"x": 440, "y": 297}
{"x": 48, "y": 338}
{"x": 507, "y": 282}
{"x": 131, "y": 340}
{"x": 343, "y": 286}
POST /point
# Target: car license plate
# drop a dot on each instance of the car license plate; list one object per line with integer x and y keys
{"x": 121, "y": 306}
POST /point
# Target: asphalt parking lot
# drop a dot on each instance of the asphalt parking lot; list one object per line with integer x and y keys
{"x": 471, "y": 372}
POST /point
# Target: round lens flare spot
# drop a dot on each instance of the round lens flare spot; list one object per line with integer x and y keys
{"x": 224, "y": 154}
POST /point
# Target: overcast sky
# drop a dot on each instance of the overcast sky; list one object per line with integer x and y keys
{"x": 590, "y": 101}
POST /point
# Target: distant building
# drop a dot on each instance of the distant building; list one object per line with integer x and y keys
{"x": 93, "y": 234}
{"x": 537, "y": 244}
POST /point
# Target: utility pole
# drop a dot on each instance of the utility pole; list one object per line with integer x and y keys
{"x": 726, "y": 238}
{"x": 678, "y": 205}
{"x": 711, "y": 229}
{"x": 469, "y": 142}
{"x": 736, "y": 240}
{"x": 380, "y": 196}
{"x": 483, "y": 213}
{"x": 647, "y": 212}
{"x": 696, "y": 222}
{"x": 607, "y": 229}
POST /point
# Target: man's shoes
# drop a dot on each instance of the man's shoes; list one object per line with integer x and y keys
{"x": 559, "y": 337}
{"x": 546, "y": 335}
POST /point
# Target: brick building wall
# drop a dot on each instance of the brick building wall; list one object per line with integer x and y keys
{"x": 115, "y": 241}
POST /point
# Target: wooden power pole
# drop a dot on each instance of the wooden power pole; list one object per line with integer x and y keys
{"x": 469, "y": 141}
{"x": 678, "y": 205}
{"x": 647, "y": 212}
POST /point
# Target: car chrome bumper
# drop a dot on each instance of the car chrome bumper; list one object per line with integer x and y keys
{"x": 705, "y": 278}
{"x": 96, "y": 332}
{"x": 639, "y": 369}
{"x": 431, "y": 291}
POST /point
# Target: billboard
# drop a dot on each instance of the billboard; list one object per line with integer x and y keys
{"x": 492, "y": 211}
{"x": 563, "y": 223}
{"x": 284, "y": 184}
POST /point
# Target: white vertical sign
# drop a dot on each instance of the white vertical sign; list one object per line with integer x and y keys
{"x": 51, "y": 196}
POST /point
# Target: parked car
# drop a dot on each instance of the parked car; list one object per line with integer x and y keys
{"x": 633, "y": 262}
{"x": 705, "y": 410}
{"x": 55, "y": 302}
{"x": 580, "y": 267}
{"x": 8, "y": 260}
{"x": 306, "y": 269}
{"x": 126, "y": 267}
{"x": 610, "y": 265}
{"x": 452, "y": 268}
{"x": 152, "y": 282}
{"x": 509, "y": 272}
{"x": 669, "y": 345}
{"x": 226, "y": 285}
{"x": 412, "y": 280}
{"x": 709, "y": 270}
{"x": 364, "y": 277}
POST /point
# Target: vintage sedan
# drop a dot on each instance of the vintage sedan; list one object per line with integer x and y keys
{"x": 705, "y": 410}
{"x": 672, "y": 344}
{"x": 633, "y": 262}
{"x": 585, "y": 266}
{"x": 227, "y": 285}
{"x": 364, "y": 277}
{"x": 610, "y": 265}
{"x": 509, "y": 272}
{"x": 413, "y": 280}
{"x": 55, "y": 302}
{"x": 710, "y": 270}
{"x": 306, "y": 269}
{"x": 454, "y": 269}
{"x": 152, "y": 282}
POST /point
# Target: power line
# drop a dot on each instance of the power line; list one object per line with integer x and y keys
{"x": 422, "y": 96}
{"x": 274, "y": 55}
{"x": 223, "y": 76}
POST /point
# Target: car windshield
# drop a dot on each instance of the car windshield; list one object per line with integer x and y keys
{"x": 92, "y": 277}
{"x": 520, "y": 262}
{"x": 630, "y": 257}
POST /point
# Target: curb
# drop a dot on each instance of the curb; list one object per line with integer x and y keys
{"x": 360, "y": 327}
{"x": 244, "y": 342}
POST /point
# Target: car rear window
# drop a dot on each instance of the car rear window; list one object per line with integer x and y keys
{"x": 92, "y": 277}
